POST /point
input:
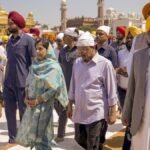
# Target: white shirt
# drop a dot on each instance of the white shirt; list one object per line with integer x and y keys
{"x": 124, "y": 61}
{"x": 57, "y": 51}
{"x": 3, "y": 57}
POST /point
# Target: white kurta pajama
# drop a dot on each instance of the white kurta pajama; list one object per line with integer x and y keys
{"x": 141, "y": 141}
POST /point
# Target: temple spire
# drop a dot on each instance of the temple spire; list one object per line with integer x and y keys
{"x": 100, "y": 16}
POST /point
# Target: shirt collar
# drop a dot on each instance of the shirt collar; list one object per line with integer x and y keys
{"x": 20, "y": 35}
{"x": 95, "y": 59}
{"x": 72, "y": 49}
{"x": 121, "y": 42}
{"x": 104, "y": 46}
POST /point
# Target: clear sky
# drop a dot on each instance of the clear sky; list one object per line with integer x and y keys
{"x": 48, "y": 11}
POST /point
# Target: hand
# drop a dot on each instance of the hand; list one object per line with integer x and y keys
{"x": 26, "y": 102}
{"x": 125, "y": 121}
{"x": 69, "y": 110}
{"x": 31, "y": 103}
{"x": 1, "y": 67}
{"x": 112, "y": 119}
{"x": 122, "y": 71}
{"x": 112, "y": 115}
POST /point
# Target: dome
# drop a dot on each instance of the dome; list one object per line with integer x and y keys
{"x": 110, "y": 12}
{"x": 2, "y": 11}
{"x": 30, "y": 14}
{"x": 110, "y": 9}
{"x": 63, "y": 1}
{"x": 132, "y": 14}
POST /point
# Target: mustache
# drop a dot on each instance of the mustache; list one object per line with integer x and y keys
{"x": 13, "y": 30}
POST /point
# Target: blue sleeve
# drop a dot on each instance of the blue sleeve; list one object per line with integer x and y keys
{"x": 31, "y": 47}
{"x": 114, "y": 58}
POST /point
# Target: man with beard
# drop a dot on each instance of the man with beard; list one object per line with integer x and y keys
{"x": 123, "y": 72}
{"x": 60, "y": 44}
{"x": 108, "y": 52}
{"x": 67, "y": 56}
{"x": 20, "y": 50}
{"x": 103, "y": 47}
{"x": 120, "y": 43}
{"x": 124, "y": 63}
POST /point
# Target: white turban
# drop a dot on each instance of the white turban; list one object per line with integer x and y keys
{"x": 81, "y": 32}
{"x": 60, "y": 36}
{"x": 106, "y": 29}
{"x": 71, "y": 32}
{"x": 86, "y": 39}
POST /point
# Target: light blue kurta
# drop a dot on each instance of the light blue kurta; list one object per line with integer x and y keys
{"x": 45, "y": 79}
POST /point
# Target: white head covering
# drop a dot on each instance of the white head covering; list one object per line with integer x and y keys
{"x": 30, "y": 34}
{"x": 86, "y": 39}
{"x": 60, "y": 36}
{"x": 106, "y": 29}
{"x": 81, "y": 32}
{"x": 71, "y": 32}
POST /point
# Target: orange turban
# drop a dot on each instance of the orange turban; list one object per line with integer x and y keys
{"x": 49, "y": 35}
{"x": 146, "y": 10}
{"x": 52, "y": 36}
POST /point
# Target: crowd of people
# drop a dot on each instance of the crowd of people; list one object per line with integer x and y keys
{"x": 90, "y": 78}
